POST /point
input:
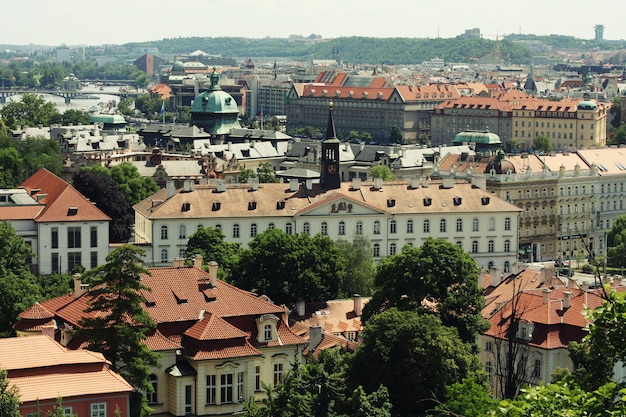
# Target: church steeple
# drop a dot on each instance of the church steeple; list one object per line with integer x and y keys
{"x": 330, "y": 176}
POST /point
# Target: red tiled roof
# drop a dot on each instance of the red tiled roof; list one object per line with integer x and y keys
{"x": 156, "y": 342}
{"x": 58, "y": 197}
{"x": 20, "y": 212}
{"x": 212, "y": 327}
{"x": 37, "y": 311}
{"x": 222, "y": 349}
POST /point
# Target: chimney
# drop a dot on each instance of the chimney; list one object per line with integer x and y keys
{"x": 309, "y": 184}
{"x": 213, "y": 274}
{"x": 179, "y": 262}
{"x": 543, "y": 275}
{"x": 186, "y": 185}
{"x": 201, "y": 315}
{"x": 358, "y": 307}
{"x": 169, "y": 185}
{"x": 448, "y": 182}
{"x": 356, "y": 183}
{"x": 48, "y": 330}
{"x": 293, "y": 185}
{"x": 482, "y": 279}
{"x": 300, "y": 308}
{"x": 315, "y": 337}
{"x": 415, "y": 183}
{"x": 567, "y": 299}
{"x": 546, "y": 295}
{"x": 378, "y": 183}
{"x": 254, "y": 184}
{"x": 197, "y": 261}
{"x": 480, "y": 182}
{"x": 79, "y": 287}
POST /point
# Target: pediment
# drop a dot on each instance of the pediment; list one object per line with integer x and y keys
{"x": 339, "y": 205}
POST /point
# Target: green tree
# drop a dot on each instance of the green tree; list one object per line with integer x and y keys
{"x": 395, "y": 136}
{"x": 31, "y": 110}
{"x": 103, "y": 190}
{"x": 619, "y": 136}
{"x": 467, "y": 398}
{"x": 132, "y": 184}
{"x": 118, "y": 329}
{"x": 266, "y": 173}
{"x": 438, "y": 272}
{"x": 245, "y": 174}
{"x": 290, "y": 267}
{"x": 360, "y": 266}
{"x": 9, "y": 397}
{"x": 513, "y": 145}
{"x": 39, "y": 153}
{"x": 210, "y": 243}
{"x": 423, "y": 139}
{"x": 18, "y": 290}
{"x": 414, "y": 356}
{"x": 11, "y": 165}
{"x": 75, "y": 117}
{"x": 616, "y": 112}
{"x": 542, "y": 143}
{"x": 382, "y": 171}
{"x": 616, "y": 243}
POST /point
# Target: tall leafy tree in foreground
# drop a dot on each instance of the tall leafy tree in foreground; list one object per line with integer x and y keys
{"x": 18, "y": 289}
{"x": 31, "y": 110}
{"x": 415, "y": 357}
{"x": 9, "y": 397}
{"x": 360, "y": 266}
{"x": 436, "y": 278}
{"x": 117, "y": 324}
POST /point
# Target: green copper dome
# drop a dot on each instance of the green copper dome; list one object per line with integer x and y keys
{"x": 587, "y": 105}
{"x": 215, "y": 110}
{"x": 482, "y": 137}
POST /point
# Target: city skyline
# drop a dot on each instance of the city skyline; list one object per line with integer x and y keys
{"x": 87, "y": 22}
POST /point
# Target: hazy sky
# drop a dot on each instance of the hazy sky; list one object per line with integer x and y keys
{"x": 96, "y": 22}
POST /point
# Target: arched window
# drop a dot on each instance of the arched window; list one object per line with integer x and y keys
{"x": 253, "y": 230}
{"x": 289, "y": 228}
{"x": 507, "y": 223}
{"x": 376, "y": 250}
{"x": 489, "y": 369}
{"x": 182, "y": 253}
{"x": 392, "y": 226}
{"x": 342, "y": 228}
{"x": 306, "y": 228}
{"x": 475, "y": 246}
{"x": 459, "y": 225}
{"x": 492, "y": 224}
{"x": 359, "y": 227}
{"x": 270, "y": 226}
{"x": 324, "y": 229}
{"x": 153, "y": 397}
{"x": 507, "y": 245}
{"x": 164, "y": 232}
{"x": 490, "y": 265}
{"x": 490, "y": 246}
{"x": 235, "y": 230}
{"x": 459, "y": 244}
{"x": 409, "y": 226}
{"x": 164, "y": 256}
{"x": 392, "y": 249}
{"x": 474, "y": 224}
{"x": 442, "y": 225}
{"x": 218, "y": 226}
{"x": 199, "y": 227}
{"x": 376, "y": 227}
{"x": 182, "y": 232}
{"x": 426, "y": 226}
{"x": 507, "y": 267}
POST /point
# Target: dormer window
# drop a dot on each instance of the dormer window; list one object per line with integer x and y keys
{"x": 267, "y": 328}
{"x": 72, "y": 211}
{"x": 525, "y": 330}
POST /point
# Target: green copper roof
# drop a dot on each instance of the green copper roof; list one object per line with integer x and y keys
{"x": 587, "y": 105}
{"x": 108, "y": 118}
{"x": 484, "y": 137}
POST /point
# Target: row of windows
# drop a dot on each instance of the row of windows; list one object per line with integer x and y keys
{"x": 74, "y": 259}
{"x": 74, "y": 240}
{"x": 341, "y": 230}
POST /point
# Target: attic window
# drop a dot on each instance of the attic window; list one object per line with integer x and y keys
{"x": 484, "y": 200}
{"x": 72, "y": 211}
{"x": 228, "y": 99}
{"x": 379, "y": 95}
{"x": 337, "y": 93}
{"x": 280, "y": 205}
{"x": 186, "y": 206}
{"x": 457, "y": 201}
{"x": 428, "y": 201}
{"x": 364, "y": 94}
{"x": 251, "y": 205}
{"x": 216, "y": 206}
{"x": 350, "y": 93}
{"x": 391, "y": 202}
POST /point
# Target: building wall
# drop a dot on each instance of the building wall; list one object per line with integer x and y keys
{"x": 80, "y": 406}
{"x": 45, "y": 250}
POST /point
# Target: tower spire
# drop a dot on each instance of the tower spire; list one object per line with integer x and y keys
{"x": 330, "y": 129}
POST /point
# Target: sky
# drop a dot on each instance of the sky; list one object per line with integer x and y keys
{"x": 97, "y": 22}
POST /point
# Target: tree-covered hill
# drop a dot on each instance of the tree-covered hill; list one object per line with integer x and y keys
{"x": 354, "y": 49}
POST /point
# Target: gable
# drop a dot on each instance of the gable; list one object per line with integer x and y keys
{"x": 339, "y": 205}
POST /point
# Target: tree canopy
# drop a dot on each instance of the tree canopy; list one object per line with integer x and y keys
{"x": 542, "y": 143}
{"x": 437, "y": 278}
{"x": 289, "y": 267}
{"x": 415, "y": 356}
{"x": 103, "y": 190}
{"x": 18, "y": 289}
{"x": 210, "y": 243}
{"x": 19, "y": 160}
{"x": 616, "y": 243}
{"x": 31, "y": 110}
{"x": 382, "y": 171}
{"x": 9, "y": 397}
{"x": 120, "y": 328}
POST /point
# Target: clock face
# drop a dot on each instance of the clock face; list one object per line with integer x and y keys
{"x": 332, "y": 168}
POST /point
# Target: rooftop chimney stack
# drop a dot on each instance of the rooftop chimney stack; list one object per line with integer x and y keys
{"x": 213, "y": 274}
{"x": 567, "y": 299}
{"x": 315, "y": 337}
{"x": 358, "y": 305}
{"x": 546, "y": 295}
{"x": 197, "y": 261}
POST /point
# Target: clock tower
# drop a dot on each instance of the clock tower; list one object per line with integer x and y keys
{"x": 330, "y": 177}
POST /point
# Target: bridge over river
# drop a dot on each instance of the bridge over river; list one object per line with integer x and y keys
{"x": 68, "y": 95}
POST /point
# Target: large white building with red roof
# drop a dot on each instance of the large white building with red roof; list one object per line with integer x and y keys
{"x": 44, "y": 371}
{"x": 63, "y": 227}
{"x": 218, "y": 343}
